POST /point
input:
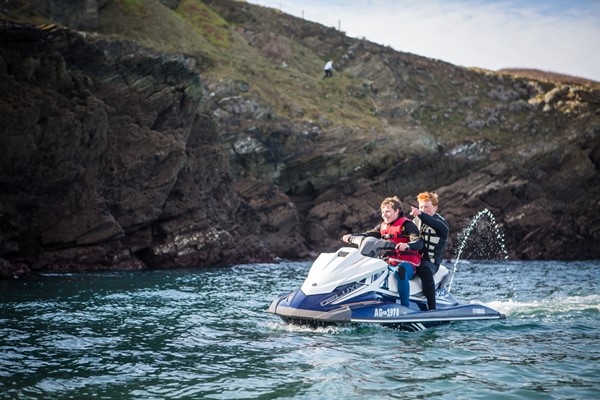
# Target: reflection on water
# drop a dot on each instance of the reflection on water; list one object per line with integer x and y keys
{"x": 206, "y": 334}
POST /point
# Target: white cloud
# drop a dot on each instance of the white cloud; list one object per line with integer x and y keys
{"x": 553, "y": 35}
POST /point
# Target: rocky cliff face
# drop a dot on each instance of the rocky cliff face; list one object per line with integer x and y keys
{"x": 118, "y": 157}
{"x": 109, "y": 162}
{"x": 526, "y": 150}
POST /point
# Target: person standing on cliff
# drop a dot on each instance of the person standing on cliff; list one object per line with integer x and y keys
{"x": 434, "y": 231}
{"x": 405, "y": 234}
{"x": 328, "y": 68}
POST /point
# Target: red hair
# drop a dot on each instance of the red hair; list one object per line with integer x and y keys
{"x": 428, "y": 196}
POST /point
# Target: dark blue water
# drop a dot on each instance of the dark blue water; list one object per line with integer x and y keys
{"x": 192, "y": 334}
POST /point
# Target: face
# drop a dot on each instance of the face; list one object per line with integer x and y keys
{"x": 427, "y": 207}
{"x": 388, "y": 214}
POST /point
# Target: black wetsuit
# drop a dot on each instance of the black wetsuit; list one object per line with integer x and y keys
{"x": 434, "y": 233}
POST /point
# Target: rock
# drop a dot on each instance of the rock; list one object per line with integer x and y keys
{"x": 278, "y": 218}
{"x": 107, "y": 163}
{"x": 78, "y": 14}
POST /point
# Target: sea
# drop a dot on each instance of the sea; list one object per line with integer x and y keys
{"x": 206, "y": 334}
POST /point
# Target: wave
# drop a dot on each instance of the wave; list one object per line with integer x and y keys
{"x": 551, "y": 305}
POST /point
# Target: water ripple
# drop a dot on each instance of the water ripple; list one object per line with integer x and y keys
{"x": 206, "y": 334}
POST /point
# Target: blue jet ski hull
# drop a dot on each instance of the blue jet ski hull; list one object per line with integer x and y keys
{"x": 297, "y": 308}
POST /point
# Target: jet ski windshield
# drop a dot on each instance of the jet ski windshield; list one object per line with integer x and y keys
{"x": 371, "y": 247}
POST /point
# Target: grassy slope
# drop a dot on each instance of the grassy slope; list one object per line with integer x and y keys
{"x": 194, "y": 29}
{"x": 284, "y": 74}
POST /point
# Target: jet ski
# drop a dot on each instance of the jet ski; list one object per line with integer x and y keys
{"x": 355, "y": 285}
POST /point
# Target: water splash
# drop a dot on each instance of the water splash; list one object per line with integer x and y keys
{"x": 487, "y": 240}
{"x": 282, "y": 326}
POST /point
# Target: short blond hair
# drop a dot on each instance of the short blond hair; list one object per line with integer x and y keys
{"x": 392, "y": 201}
{"x": 428, "y": 196}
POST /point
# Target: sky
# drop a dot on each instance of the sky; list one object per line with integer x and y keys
{"x": 561, "y": 36}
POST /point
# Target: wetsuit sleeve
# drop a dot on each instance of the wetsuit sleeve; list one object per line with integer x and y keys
{"x": 375, "y": 232}
{"x": 439, "y": 224}
{"x": 414, "y": 236}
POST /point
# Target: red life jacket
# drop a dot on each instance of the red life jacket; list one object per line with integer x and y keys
{"x": 395, "y": 233}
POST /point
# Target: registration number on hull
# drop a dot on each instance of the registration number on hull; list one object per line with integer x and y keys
{"x": 390, "y": 312}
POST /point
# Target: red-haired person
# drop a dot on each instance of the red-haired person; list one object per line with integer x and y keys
{"x": 396, "y": 228}
{"x": 434, "y": 232}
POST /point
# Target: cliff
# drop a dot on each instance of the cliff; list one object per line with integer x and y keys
{"x": 186, "y": 133}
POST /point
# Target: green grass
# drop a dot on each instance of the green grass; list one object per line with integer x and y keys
{"x": 195, "y": 29}
{"x": 133, "y": 6}
{"x": 284, "y": 74}
{"x": 205, "y": 22}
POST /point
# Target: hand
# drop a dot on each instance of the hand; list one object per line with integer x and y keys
{"x": 346, "y": 238}
{"x": 402, "y": 246}
{"x": 414, "y": 211}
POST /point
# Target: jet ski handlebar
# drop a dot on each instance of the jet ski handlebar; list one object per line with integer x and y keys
{"x": 389, "y": 245}
{"x": 370, "y": 246}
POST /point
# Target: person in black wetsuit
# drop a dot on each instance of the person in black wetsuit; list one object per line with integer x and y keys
{"x": 434, "y": 233}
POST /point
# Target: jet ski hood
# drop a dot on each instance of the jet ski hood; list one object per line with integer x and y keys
{"x": 331, "y": 270}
